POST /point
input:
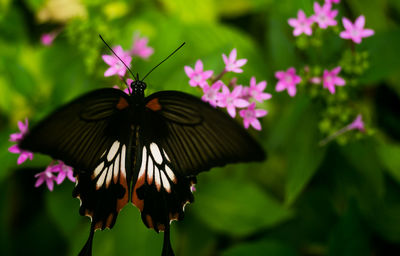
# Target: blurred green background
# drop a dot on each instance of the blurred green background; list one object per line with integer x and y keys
{"x": 341, "y": 199}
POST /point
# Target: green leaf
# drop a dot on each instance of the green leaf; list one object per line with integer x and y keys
{"x": 238, "y": 208}
{"x": 390, "y": 158}
{"x": 304, "y": 154}
{"x": 261, "y": 248}
{"x": 197, "y": 11}
{"x": 384, "y": 55}
{"x": 63, "y": 208}
{"x": 364, "y": 160}
{"x": 349, "y": 237}
{"x": 232, "y": 8}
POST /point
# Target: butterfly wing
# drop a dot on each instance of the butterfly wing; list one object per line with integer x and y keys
{"x": 195, "y": 135}
{"x": 91, "y": 134}
{"x": 181, "y": 136}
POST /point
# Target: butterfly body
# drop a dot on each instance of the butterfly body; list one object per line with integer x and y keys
{"x": 145, "y": 150}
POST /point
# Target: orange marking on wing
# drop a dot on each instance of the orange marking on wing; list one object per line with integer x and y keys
{"x": 154, "y": 104}
{"x": 161, "y": 227}
{"x": 149, "y": 221}
{"x": 122, "y": 103}
{"x": 125, "y": 199}
{"x": 135, "y": 199}
{"x": 98, "y": 225}
{"x": 173, "y": 216}
{"x": 109, "y": 220}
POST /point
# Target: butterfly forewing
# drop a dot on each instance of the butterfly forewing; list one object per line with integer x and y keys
{"x": 197, "y": 136}
{"x": 92, "y": 135}
{"x": 79, "y": 132}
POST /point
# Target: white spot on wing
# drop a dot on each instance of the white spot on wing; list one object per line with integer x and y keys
{"x": 116, "y": 169}
{"x": 109, "y": 175}
{"x": 113, "y": 150}
{"x": 165, "y": 182}
{"x": 170, "y": 174}
{"x": 143, "y": 166}
{"x": 98, "y": 170}
{"x": 155, "y": 151}
{"x": 123, "y": 153}
{"x": 157, "y": 178}
{"x": 166, "y": 156}
{"x": 100, "y": 181}
{"x": 150, "y": 168}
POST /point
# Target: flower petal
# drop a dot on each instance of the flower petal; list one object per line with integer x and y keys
{"x": 360, "y": 22}
{"x": 198, "y": 68}
{"x": 367, "y": 32}
{"x": 240, "y": 103}
{"x": 231, "y": 110}
{"x": 189, "y": 71}
{"x": 256, "y": 124}
{"x": 347, "y": 23}
{"x": 292, "y": 91}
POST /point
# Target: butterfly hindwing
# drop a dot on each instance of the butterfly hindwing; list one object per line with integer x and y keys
{"x": 160, "y": 193}
{"x": 104, "y": 192}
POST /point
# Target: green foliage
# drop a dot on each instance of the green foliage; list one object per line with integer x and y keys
{"x": 237, "y": 215}
{"x": 338, "y": 199}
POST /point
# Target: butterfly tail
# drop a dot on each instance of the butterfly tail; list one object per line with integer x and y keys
{"x": 87, "y": 248}
{"x": 167, "y": 248}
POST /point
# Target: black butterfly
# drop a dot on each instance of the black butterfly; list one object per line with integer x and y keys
{"x": 145, "y": 150}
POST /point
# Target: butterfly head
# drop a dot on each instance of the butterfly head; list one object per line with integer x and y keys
{"x": 138, "y": 88}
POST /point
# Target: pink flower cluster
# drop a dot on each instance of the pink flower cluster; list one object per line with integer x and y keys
{"x": 231, "y": 96}
{"x": 324, "y": 16}
{"x": 287, "y": 80}
{"x": 17, "y": 137}
{"x": 139, "y": 49}
{"x": 48, "y": 174}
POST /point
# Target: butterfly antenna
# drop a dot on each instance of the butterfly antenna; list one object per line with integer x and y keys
{"x": 163, "y": 60}
{"x": 130, "y": 71}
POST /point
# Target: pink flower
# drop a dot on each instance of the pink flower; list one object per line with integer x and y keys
{"x": 331, "y": 78}
{"x": 197, "y": 75}
{"x": 24, "y": 155}
{"x": 357, "y": 124}
{"x": 211, "y": 92}
{"x": 140, "y": 47}
{"x": 47, "y": 176}
{"x": 23, "y": 127}
{"x": 64, "y": 171}
{"x": 16, "y": 137}
{"x": 324, "y": 16}
{"x": 355, "y": 31}
{"x": 231, "y": 100}
{"x": 128, "y": 86}
{"x": 287, "y": 80}
{"x": 116, "y": 66}
{"x": 231, "y": 64}
{"x": 48, "y": 38}
{"x": 302, "y": 24}
{"x": 250, "y": 116}
{"x": 256, "y": 91}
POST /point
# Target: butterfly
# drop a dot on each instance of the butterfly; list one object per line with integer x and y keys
{"x": 143, "y": 150}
